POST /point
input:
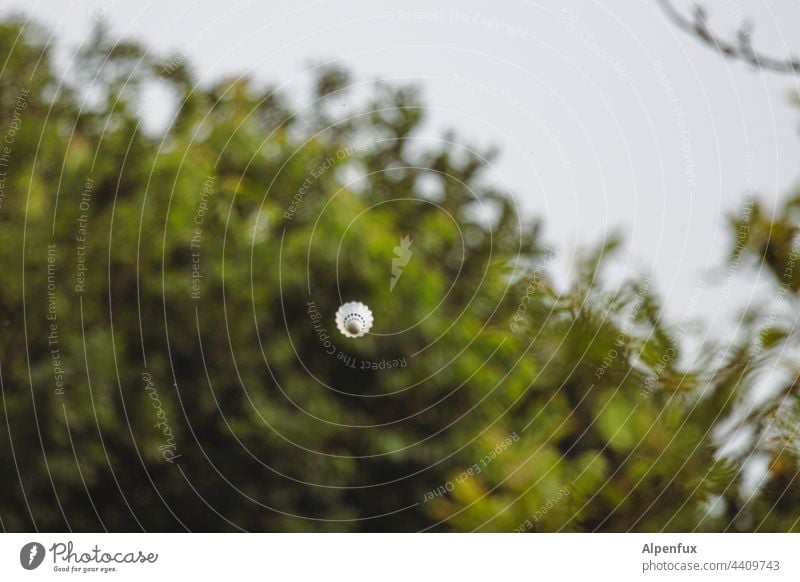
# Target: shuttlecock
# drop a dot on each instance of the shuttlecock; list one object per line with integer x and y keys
{"x": 354, "y": 319}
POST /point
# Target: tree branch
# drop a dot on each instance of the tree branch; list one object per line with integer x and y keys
{"x": 739, "y": 49}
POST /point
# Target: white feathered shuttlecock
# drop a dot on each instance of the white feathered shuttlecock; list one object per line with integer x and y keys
{"x": 354, "y": 319}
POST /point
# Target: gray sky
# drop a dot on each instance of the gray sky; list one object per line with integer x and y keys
{"x": 606, "y": 115}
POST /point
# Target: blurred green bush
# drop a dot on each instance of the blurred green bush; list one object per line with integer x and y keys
{"x": 161, "y": 368}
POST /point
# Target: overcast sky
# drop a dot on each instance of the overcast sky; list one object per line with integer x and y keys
{"x": 606, "y": 115}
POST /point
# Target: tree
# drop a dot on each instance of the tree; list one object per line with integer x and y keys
{"x": 170, "y": 361}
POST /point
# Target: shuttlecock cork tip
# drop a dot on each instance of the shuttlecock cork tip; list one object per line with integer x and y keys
{"x": 354, "y": 319}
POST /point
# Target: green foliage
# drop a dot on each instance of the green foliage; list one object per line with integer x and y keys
{"x": 209, "y": 250}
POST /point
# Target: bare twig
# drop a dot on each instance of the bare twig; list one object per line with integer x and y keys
{"x": 741, "y": 48}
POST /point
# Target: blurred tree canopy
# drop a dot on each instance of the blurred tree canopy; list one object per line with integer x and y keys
{"x": 169, "y": 359}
